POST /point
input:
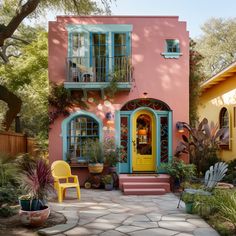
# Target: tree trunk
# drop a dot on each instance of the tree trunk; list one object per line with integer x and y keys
{"x": 14, "y": 105}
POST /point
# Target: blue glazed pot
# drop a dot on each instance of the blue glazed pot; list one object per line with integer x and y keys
{"x": 108, "y": 187}
{"x": 30, "y": 205}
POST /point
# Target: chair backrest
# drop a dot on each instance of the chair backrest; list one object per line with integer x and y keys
{"x": 60, "y": 168}
{"x": 215, "y": 174}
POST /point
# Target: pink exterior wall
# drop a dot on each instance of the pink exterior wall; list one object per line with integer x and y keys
{"x": 163, "y": 79}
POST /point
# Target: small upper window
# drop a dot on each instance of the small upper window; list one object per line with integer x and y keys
{"x": 172, "y": 45}
{"x": 224, "y": 123}
{"x": 172, "y": 49}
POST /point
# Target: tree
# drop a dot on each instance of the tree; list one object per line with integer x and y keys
{"x": 17, "y": 11}
{"x": 195, "y": 78}
{"x": 217, "y": 44}
{"x": 26, "y": 77}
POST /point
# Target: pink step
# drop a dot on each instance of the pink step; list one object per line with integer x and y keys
{"x": 142, "y": 185}
{"x": 146, "y": 191}
{"x": 124, "y": 178}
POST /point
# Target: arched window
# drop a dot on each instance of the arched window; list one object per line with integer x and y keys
{"x": 224, "y": 123}
{"x": 81, "y": 129}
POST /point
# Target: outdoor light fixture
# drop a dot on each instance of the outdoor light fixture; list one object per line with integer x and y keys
{"x": 109, "y": 116}
{"x": 180, "y": 126}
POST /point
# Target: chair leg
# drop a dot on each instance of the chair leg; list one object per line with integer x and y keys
{"x": 64, "y": 193}
{"x": 60, "y": 193}
{"x": 180, "y": 198}
{"x": 78, "y": 192}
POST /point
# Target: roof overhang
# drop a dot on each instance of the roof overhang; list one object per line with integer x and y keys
{"x": 219, "y": 77}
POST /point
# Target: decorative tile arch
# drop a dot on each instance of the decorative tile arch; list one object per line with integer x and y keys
{"x": 152, "y": 103}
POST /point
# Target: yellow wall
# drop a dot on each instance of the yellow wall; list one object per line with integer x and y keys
{"x": 211, "y": 102}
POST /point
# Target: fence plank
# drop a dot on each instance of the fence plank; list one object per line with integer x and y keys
{"x": 15, "y": 143}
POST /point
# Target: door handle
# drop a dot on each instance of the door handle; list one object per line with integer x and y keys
{"x": 134, "y": 144}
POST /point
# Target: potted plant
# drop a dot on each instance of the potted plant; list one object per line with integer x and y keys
{"x": 93, "y": 151}
{"x": 179, "y": 171}
{"x": 37, "y": 181}
{"x": 188, "y": 199}
{"x": 111, "y": 154}
{"x": 108, "y": 182}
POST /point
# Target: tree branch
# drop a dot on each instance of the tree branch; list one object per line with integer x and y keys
{"x": 19, "y": 39}
{"x": 21, "y": 13}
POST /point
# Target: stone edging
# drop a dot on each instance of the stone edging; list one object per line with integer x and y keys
{"x": 72, "y": 219}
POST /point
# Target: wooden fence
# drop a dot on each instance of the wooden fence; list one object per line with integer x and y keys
{"x": 15, "y": 143}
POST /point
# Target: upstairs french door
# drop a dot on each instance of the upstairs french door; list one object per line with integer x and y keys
{"x": 99, "y": 55}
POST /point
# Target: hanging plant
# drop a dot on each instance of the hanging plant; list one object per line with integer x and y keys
{"x": 61, "y": 101}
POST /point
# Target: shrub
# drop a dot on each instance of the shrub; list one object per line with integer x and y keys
{"x": 8, "y": 170}
{"x": 179, "y": 170}
{"x": 225, "y": 202}
{"x": 231, "y": 173}
{"x": 202, "y": 145}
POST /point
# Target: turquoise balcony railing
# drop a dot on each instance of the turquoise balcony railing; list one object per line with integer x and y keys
{"x": 99, "y": 69}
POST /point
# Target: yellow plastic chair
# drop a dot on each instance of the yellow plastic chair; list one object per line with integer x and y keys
{"x": 61, "y": 171}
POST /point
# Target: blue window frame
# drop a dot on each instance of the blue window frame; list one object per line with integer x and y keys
{"x": 120, "y": 53}
{"x": 99, "y": 55}
{"x": 80, "y": 130}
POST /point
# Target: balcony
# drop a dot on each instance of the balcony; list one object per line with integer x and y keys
{"x": 96, "y": 73}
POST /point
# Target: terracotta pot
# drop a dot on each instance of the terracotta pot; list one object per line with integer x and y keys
{"x": 95, "y": 168}
{"x": 34, "y": 218}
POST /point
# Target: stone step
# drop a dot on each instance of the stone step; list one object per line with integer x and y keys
{"x": 146, "y": 191}
{"x": 145, "y": 185}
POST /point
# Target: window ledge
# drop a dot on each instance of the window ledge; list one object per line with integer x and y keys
{"x": 175, "y": 55}
{"x": 224, "y": 146}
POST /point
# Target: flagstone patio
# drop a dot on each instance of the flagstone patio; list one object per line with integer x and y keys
{"x": 111, "y": 213}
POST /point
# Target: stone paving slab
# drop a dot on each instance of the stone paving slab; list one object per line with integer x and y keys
{"x": 113, "y": 214}
{"x": 154, "y": 232}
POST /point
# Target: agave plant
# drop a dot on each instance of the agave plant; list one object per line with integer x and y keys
{"x": 202, "y": 144}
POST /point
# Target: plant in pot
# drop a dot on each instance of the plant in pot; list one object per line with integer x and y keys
{"x": 93, "y": 152}
{"x": 108, "y": 182}
{"x": 111, "y": 154}
{"x": 188, "y": 199}
{"x": 179, "y": 171}
{"x": 37, "y": 181}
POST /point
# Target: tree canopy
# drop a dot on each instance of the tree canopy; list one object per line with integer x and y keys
{"x": 23, "y": 68}
{"x": 217, "y": 45}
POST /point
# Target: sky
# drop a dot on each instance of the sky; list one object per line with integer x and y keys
{"x": 195, "y": 12}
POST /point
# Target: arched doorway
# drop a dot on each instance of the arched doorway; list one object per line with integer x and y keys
{"x": 145, "y": 131}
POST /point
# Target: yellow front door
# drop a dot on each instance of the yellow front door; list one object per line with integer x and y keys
{"x": 143, "y": 141}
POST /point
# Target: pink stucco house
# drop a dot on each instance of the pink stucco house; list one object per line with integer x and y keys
{"x": 148, "y": 56}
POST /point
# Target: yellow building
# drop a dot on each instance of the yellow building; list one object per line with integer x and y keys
{"x": 218, "y": 105}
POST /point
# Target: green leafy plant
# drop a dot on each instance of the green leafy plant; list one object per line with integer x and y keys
{"x": 202, "y": 145}
{"x": 179, "y": 170}
{"x": 93, "y": 151}
{"x": 121, "y": 73}
{"x": 8, "y": 170}
{"x": 225, "y": 202}
{"x": 107, "y": 179}
{"x": 231, "y": 173}
{"x": 112, "y": 153}
{"x": 61, "y": 100}
{"x": 188, "y": 198}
